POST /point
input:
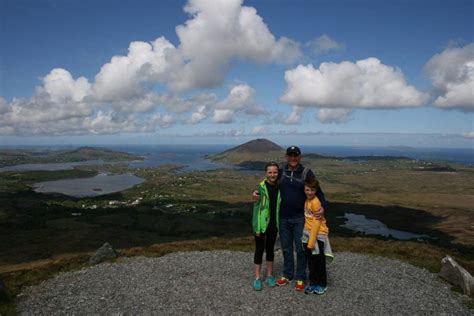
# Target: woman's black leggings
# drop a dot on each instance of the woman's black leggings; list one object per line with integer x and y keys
{"x": 265, "y": 242}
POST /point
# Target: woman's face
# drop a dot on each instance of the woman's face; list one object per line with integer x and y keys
{"x": 272, "y": 174}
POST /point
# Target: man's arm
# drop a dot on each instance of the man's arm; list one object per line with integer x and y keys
{"x": 319, "y": 193}
{"x": 322, "y": 199}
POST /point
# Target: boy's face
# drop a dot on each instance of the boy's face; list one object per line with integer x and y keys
{"x": 310, "y": 192}
{"x": 272, "y": 174}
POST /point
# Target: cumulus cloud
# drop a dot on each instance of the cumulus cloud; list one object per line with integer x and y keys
{"x": 324, "y": 44}
{"x": 239, "y": 100}
{"x": 126, "y": 77}
{"x": 365, "y": 84}
{"x": 452, "y": 74}
{"x": 295, "y": 116}
{"x": 328, "y": 115}
{"x": 218, "y": 32}
{"x": 223, "y": 116}
{"x": 60, "y": 86}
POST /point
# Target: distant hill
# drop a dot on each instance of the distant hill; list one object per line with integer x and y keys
{"x": 10, "y": 157}
{"x": 260, "y": 145}
{"x": 255, "y": 150}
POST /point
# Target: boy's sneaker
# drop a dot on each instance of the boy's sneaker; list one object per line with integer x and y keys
{"x": 310, "y": 289}
{"x": 282, "y": 281}
{"x": 320, "y": 290}
{"x": 271, "y": 282}
{"x": 257, "y": 285}
{"x": 299, "y": 285}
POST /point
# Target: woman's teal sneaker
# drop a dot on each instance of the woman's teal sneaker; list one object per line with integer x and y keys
{"x": 270, "y": 280}
{"x": 257, "y": 285}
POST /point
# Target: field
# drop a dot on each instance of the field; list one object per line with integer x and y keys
{"x": 173, "y": 211}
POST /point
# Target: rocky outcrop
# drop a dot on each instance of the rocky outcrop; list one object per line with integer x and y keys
{"x": 452, "y": 272}
{"x": 105, "y": 252}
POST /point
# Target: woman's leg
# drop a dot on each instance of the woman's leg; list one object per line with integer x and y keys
{"x": 258, "y": 256}
{"x": 271, "y": 235}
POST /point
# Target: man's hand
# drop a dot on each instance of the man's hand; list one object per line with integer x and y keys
{"x": 255, "y": 196}
{"x": 319, "y": 213}
{"x": 257, "y": 234}
{"x": 309, "y": 246}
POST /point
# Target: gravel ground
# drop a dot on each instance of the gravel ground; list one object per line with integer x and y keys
{"x": 219, "y": 282}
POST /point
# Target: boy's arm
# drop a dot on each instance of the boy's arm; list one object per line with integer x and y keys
{"x": 314, "y": 234}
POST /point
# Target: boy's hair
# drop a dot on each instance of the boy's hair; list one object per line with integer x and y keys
{"x": 312, "y": 183}
{"x": 272, "y": 164}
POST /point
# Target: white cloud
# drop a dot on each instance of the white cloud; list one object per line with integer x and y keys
{"x": 223, "y": 116}
{"x": 452, "y": 73}
{"x": 125, "y": 77}
{"x": 219, "y": 32}
{"x": 324, "y": 44}
{"x": 327, "y": 115}
{"x": 199, "y": 115}
{"x": 61, "y": 86}
{"x": 295, "y": 116}
{"x": 240, "y": 96}
{"x": 365, "y": 84}
{"x": 239, "y": 100}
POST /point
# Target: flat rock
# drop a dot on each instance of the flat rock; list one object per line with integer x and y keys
{"x": 105, "y": 252}
{"x": 452, "y": 272}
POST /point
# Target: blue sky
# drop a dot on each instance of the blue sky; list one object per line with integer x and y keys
{"x": 311, "y": 72}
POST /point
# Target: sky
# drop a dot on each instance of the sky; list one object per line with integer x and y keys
{"x": 314, "y": 72}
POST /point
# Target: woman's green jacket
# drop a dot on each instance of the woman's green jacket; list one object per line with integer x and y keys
{"x": 261, "y": 210}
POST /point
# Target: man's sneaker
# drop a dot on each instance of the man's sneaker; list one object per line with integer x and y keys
{"x": 271, "y": 282}
{"x": 320, "y": 290}
{"x": 282, "y": 281}
{"x": 310, "y": 289}
{"x": 257, "y": 285}
{"x": 299, "y": 285}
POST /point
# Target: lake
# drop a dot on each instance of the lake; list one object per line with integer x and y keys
{"x": 360, "y": 223}
{"x": 101, "y": 184}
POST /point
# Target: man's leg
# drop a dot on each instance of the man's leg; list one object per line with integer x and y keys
{"x": 286, "y": 240}
{"x": 300, "y": 252}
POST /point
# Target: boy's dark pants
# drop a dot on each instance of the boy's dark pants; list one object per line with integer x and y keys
{"x": 316, "y": 265}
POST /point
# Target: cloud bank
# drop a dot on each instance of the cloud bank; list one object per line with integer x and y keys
{"x": 365, "y": 84}
{"x": 452, "y": 74}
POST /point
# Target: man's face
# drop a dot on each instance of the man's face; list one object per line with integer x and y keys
{"x": 293, "y": 160}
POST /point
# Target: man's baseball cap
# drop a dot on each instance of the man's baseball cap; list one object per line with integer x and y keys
{"x": 293, "y": 150}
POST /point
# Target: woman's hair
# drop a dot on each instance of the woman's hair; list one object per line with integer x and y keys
{"x": 312, "y": 183}
{"x": 272, "y": 164}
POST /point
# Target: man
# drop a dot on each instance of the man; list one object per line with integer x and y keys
{"x": 292, "y": 178}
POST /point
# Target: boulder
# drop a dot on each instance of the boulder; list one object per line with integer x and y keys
{"x": 3, "y": 291}
{"x": 103, "y": 253}
{"x": 452, "y": 272}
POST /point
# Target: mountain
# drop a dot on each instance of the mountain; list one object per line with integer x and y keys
{"x": 260, "y": 145}
{"x": 255, "y": 150}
